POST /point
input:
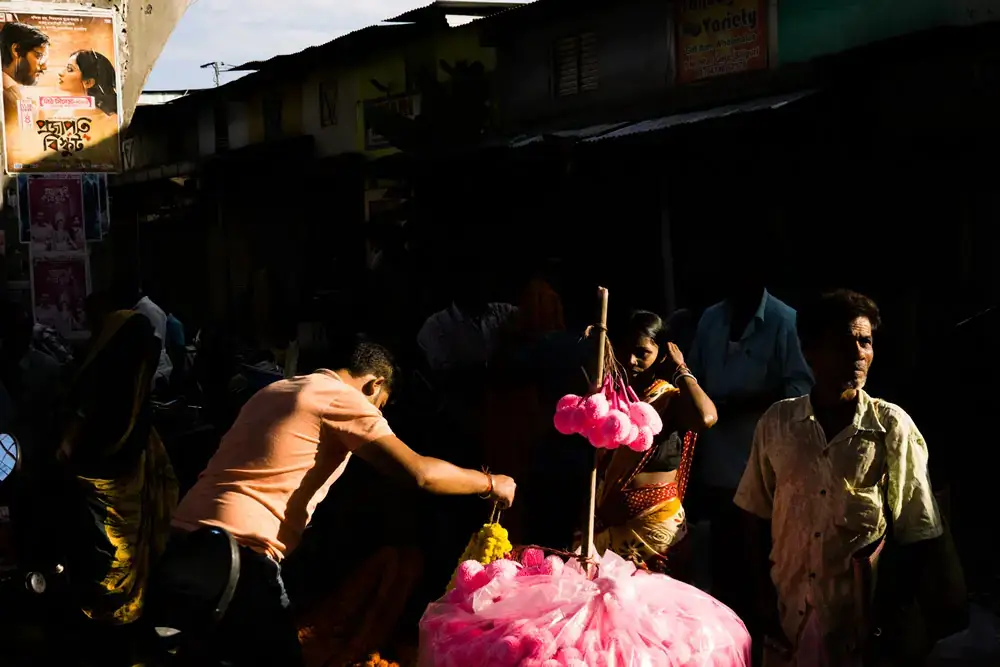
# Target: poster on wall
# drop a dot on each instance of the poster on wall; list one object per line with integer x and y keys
{"x": 56, "y": 215}
{"x": 719, "y": 37}
{"x": 92, "y": 206}
{"x": 23, "y": 215}
{"x": 61, "y": 78}
{"x": 105, "y": 205}
{"x": 59, "y": 287}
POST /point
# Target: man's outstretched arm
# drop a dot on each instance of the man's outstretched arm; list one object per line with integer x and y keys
{"x": 392, "y": 457}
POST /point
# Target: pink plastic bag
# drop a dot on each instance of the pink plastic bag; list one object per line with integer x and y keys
{"x": 549, "y": 615}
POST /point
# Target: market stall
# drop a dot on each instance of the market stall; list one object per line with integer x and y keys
{"x": 535, "y": 607}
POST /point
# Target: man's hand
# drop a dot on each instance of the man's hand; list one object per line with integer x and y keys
{"x": 503, "y": 490}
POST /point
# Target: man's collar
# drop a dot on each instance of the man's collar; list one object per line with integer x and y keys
{"x": 455, "y": 312}
{"x": 865, "y": 414}
{"x": 762, "y": 308}
{"x": 9, "y": 81}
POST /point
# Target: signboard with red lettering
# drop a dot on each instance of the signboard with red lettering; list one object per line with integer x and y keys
{"x": 719, "y": 37}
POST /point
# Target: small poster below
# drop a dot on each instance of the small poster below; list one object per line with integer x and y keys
{"x": 56, "y": 214}
{"x": 59, "y": 287}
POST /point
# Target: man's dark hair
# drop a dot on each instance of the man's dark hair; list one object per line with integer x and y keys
{"x": 831, "y": 310}
{"x": 359, "y": 356}
{"x": 24, "y": 37}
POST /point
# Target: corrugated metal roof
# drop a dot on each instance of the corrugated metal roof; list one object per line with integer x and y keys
{"x": 618, "y": 130}
{"x": 666, "y": 122}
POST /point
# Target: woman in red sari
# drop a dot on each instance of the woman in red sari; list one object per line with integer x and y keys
{"x": 640, "y": 513}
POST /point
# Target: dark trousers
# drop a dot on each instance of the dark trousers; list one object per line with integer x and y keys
{"x": 731, "y": 568}
{"x": 259, "y": 628}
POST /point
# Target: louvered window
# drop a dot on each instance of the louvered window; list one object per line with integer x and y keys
{"x": 575, "y": 64}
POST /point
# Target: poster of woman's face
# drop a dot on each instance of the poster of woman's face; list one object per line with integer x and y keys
{"x": 62, "y": 82}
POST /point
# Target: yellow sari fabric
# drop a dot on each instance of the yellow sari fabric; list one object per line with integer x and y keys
{"x": 640, "y": 524}
{"x": 132, "y": 510}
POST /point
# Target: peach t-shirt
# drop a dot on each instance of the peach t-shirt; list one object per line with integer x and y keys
{"x": 290, "y": 443}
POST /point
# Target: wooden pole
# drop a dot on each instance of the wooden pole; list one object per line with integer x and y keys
{"x": 598, "y": 382}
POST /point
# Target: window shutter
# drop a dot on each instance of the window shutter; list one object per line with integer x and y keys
{"x": 575, "y": 61}
{"x": 567, "y": 67}
{"x": 588, "y": 62}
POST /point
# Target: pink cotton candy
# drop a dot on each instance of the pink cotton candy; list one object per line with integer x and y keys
{"x": 615, "y": 427}
{"x": 502, "y": 569}
{"x": 532, "y": 557}
{"x": 595, "y": 435}
{"x": 644, "y": 441}
{"x": 471, "y": 577}
{"x": 644, "y": 414}
{"x": 621, "y": 618}
{"x": 595, "y": 407}
{"x": 566, "y": 421}
{"x": 568, "y": 402}
{"x": 633, "y": 433}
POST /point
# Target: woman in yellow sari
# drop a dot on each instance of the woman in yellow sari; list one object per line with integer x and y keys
{"x": 640, "y": 515}
{"x": 124, "y": 485}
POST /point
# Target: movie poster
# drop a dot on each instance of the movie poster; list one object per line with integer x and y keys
{"x": 61, "y": 79}
{"x": 59, "y": 287}
{"x": 92, "y": 206}
{"x": 56, "y": 215}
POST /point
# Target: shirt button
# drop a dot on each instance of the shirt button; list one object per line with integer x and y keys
{"x": 822, "y": 492}
{"x": 816, "y": 535}
{"x": 812, "y": 575}
{"x": 801, "y": 613}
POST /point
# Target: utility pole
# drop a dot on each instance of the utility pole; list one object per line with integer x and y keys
{"x": 216, "y": 68}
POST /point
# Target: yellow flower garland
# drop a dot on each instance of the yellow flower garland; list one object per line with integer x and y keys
{"x": 375, "y": 660}
{"x": 490, "y": 544}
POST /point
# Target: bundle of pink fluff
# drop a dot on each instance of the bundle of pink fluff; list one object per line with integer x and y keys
{"x": 544, "y": 612}
{"x": 609, "y": 419}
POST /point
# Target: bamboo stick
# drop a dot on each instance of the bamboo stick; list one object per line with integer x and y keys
{"x": 598, "y": 383}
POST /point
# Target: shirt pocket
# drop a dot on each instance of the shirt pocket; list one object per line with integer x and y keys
{"x": 861, "y": 511}
{"x": 861, "y": 464}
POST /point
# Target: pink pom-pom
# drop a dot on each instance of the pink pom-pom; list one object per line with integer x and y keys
{"x": 471, "y": 577}
{"x": 556, "y": 564}
{"x": 532, "y": 557}
{"x": 595, "y": 434}
{"x": 644, "y": 414}
{"x": 566, "y": 421}
{"x": 644, "y": 441}
{"x": 502, "y": 569}
{"x": 633, "y": 433}
{"x": 595, "y": 407}
{"x": 567, "y": 402}
{"x": 569, "y": 653}
{"x": 507, "y": 651}
{"x": 615, "y": 427}
{"x": 552, "y": 663}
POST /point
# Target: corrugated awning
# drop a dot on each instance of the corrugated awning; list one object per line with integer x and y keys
{"x": 607, "y": 131}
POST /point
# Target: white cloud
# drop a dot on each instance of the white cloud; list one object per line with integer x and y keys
{"x": 235, "y": 31}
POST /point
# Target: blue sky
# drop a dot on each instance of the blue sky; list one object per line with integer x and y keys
{"x": 235, "y": 31}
